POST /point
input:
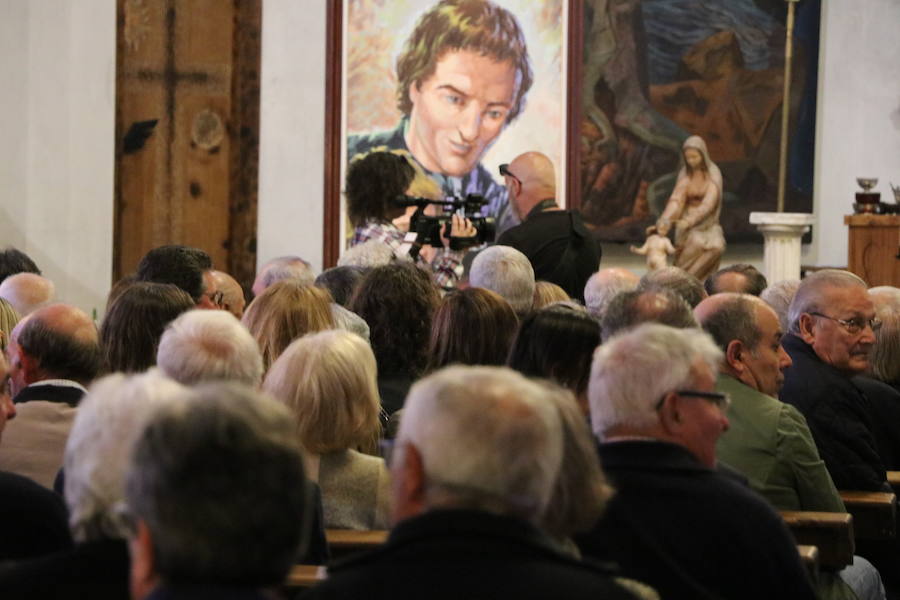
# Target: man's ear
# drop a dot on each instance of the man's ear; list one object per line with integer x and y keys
{"x": 670, "y": 417}
{"x": 734, "y": 356}
{"x": 30, "y": 367}
{"x": 806, "y": 326}
{"x": 143, "y": 562}
{"x": 408, "y": 483}
{"x": 413, "y": 92}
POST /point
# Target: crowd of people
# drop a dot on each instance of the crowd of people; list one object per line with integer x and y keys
{"x": 515, "y": 440}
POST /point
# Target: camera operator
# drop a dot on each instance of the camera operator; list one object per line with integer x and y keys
{"x": 374, "y": 182}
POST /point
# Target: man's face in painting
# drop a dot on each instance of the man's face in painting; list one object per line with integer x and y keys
{"x": 460, "y": 110}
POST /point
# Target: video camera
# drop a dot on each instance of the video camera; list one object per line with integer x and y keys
{"x": 428, "y": 229}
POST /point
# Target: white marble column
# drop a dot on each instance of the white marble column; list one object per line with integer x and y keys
{"x": 782, "y": 233}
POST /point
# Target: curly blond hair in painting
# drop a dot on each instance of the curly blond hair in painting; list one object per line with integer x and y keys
{"x": 477, "y": 25}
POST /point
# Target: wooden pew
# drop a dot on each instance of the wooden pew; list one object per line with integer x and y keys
{"x": 306, "y": 576}
{"x": 831, "y": 533}
{"x": 809, "y": 556}
{"x": 893, "y": 478}
{"x": 342, "y": 542}
{"x": 874, "y": 514}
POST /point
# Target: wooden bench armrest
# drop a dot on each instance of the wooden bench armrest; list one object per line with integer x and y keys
{"x": 306, "y": 576}
{"x": 349, "y": 538}
{"x": 874, "y": 514}
{"x": 831, "y": 533}
{"x": 809, "y": 556}
{"x": 893, "y": 478}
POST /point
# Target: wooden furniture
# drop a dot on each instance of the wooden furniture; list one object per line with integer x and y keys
{"x": 893, "y": 478}
{"x": 306, "y": 576}
{"x": 874, "y": 514}
{"x": 342, "y": 542}
{"x": 831, "y": 533}
{"x": 873, "y": 248}
{"x": 809, "y": 556}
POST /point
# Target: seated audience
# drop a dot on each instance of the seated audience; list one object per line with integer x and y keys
{"x": 674, "y": 280}
{"x": 186, "y": 267}
{"x": 739, "y": 278}
{"x": 329, "y": 382}
{"x": 884, "y": 361}
{"x": 779, "y": 295}
{"x": 340, "y": 282}
{"x": 507, "y": 272}
{"x": 604, "y": 285}
{"x": 557, "y": 343}
{"x": 203, "y": 346}
{"x": 466, "y": 522}
{"x": 374, "y": 182}
{"x": 886, "y": 298}
{"x": 9, "y": 318}
{"x": 546, "y": 293}
{"x": 53, "y": 354}
{"x": 473, "y": 326}
{"x": 232, "y": 294}
{"x": 35, "y": 518}
{"x": 373, "y": 253}
{"x": 630, "y": 309}
{"x": 398, "y": 302}
{"x": 280, "y": 269}
{"x": 13, "y": 260}
{"x": 556, "y": 241}
{"x": 129, "y": 335}
{"x": 674, "y": 521}
{"x": 27, "y": 292}
{"x": 284, "y": 312}
{"x": 218, "y": 498}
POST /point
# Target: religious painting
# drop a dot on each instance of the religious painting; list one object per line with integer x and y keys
{"x": 462, "y": 86}
{"x": 655, "y": 72}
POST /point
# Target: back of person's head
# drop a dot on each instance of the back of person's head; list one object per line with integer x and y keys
{"x": 886, "y": 298}
{"x": 506, "y": 271}
{"x": 730, "y": 316}
{"x": 329, "y": 381}
{"x": 9, "y": 318}
{"x": 398, "y": 302}
{"x": 217, "y": 485}
{"x": 284, "y": 312}
{"x": 64, "y": 342}
{"x": 779, "y": 296}
{"x": 372, "y": 253}
{"x": 812, "y": 294}
{"x": 374, "y": 181}
{"x": 473, "y": 326}
{"x": 740, "y": 278}
{"x": 340, "y": 282}
{"x": 510, "y": 434}
{"x": 632, "y": 371}
{"x": 233, "y": 299}
{"x": 556, "y": 343}
{"x": 629, "y": 309}
{"x": 884, "y": 359}
{"x": 674, "y": 280}
{"x": 581, "y": 491}
{"x": 182, "y": 266}
{"x": 109, "y": 419}
{"x": 604, "y": 285}
{"x": 283, "y": 268}
{"x": 546, "y": 293}
{"x": 13, "y": 260}
{"x": 27, "y": 292}
{"x": 134, "y": 323}
{"x": 209, "y": 345}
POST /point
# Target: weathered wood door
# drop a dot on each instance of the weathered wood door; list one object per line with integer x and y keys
{"x": 187, "y": 130}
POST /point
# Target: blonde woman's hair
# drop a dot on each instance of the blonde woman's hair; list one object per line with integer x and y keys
{"x": 285, "y": 311}
{"x": 546, "y": 293}
{"x": 329, "y": 381}
{"x": 9, "y": 318}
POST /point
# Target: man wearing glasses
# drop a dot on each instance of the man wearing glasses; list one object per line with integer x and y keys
{"x": 832, "y": 329}
{"x": 675, "y": 522}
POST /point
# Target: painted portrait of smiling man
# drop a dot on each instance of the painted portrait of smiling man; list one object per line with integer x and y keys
{"x": 461, "y": 85}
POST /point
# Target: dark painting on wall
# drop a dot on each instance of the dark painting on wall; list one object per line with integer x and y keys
{"x": 656, "y": 71}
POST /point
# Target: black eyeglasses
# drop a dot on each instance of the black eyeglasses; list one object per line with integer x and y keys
{"x": 504, "y": 170}
{"x": 855, "y": 325}
{"x": 723, "y": 401}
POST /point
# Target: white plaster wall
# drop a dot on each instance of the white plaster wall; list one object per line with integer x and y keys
{"x": 292, "y": 131}
{"x": 57, "y": 119}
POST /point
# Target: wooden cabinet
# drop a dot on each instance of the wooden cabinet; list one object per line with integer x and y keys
{"x": 874, "y": 248}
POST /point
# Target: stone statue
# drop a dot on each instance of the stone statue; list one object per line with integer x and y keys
{"x": 693, "y": 208}
{"x": 657, "y": 249}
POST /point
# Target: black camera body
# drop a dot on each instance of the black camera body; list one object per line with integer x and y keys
{"x": 429, "y": 229}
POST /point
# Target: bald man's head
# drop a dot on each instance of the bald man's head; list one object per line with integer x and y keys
{"x": 27, "y": 292}
{"x": 232, "y": 294}
{"x": 530, "y": 179}
{"x": 55, "y": 342}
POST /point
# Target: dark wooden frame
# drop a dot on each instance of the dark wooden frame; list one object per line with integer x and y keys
{"x": 333, "y": 106}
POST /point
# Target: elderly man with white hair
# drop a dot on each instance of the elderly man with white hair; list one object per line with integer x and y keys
{"x": 474, "y": 465}
{"x": 208, "y": 346}
{"x": 281, "y": 268}
{"x": 604, "y": 285}
{"x": 27, "y": 292}
{"x": 507, "y": 272}
{"x": 675, "y": 522}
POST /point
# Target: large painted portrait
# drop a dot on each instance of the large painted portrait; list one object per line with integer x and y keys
{"x": 658, "y": 71}
{"x": 462, "y": 86}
